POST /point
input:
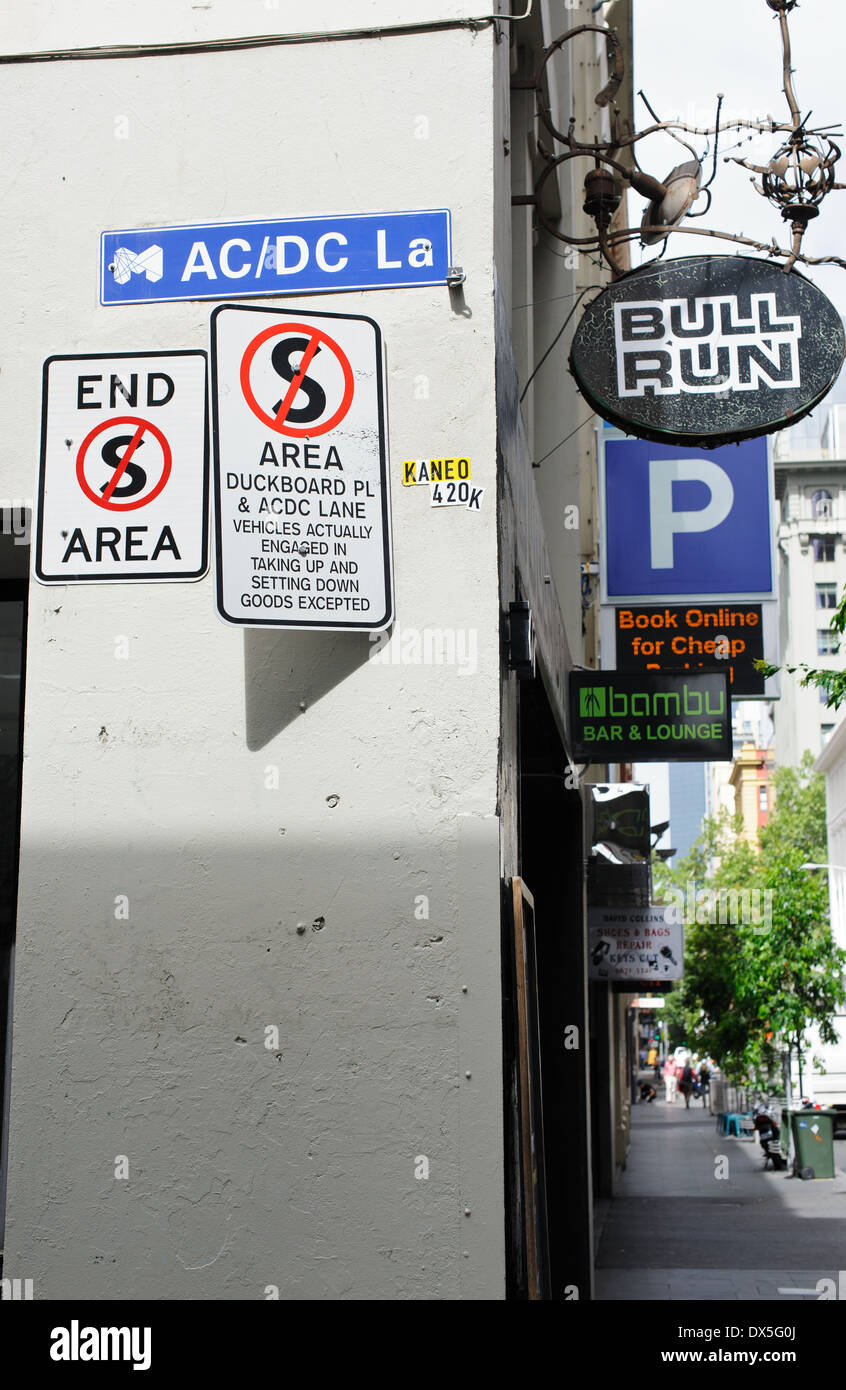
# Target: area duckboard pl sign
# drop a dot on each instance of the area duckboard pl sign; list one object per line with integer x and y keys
{"x": 707, "y": 350}
{"x": 302, "y": 505}
{"x": 123, "y": 485}
{"x": 654, "y": 716}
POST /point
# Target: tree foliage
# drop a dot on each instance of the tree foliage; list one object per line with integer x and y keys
{"x": 755, "y": 984}
{"x": 823, "y": 677}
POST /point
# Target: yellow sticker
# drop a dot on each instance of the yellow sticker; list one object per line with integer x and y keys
{"x": 415, "y": 471}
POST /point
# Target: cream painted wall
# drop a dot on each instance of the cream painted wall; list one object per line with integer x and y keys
{"x": 149, "y": 777}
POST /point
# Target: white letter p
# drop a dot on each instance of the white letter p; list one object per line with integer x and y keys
{"x": 664, "y": 523}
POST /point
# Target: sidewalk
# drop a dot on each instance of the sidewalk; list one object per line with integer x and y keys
{"x": 677, "y": 1230}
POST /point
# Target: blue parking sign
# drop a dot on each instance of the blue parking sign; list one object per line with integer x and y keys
{"x": 686, "y": 523}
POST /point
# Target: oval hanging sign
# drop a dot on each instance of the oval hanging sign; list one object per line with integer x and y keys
{"x": 707, "y": 350}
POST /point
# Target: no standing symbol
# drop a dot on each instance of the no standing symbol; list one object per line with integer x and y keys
{"x": 114, "y": 445}
{"x": 297, "y": 380}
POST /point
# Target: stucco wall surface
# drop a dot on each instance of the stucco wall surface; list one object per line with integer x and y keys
{"x": 54, "y": 24}
{"x": 280, "y": 810}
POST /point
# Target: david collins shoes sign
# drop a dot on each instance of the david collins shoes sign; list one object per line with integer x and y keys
{"x": 650, "y": 717}
{"x": 645, "y": 943}
{"x": 707, "y": 350}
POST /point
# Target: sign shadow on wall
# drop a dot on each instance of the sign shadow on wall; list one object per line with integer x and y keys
{"x": 286, "y": 672}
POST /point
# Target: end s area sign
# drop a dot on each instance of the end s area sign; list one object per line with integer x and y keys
{"x": 686, "y": 523}
{"x": 302, "y": 506}
{"x": 123, "y": 484}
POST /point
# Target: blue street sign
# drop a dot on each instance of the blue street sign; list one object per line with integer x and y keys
{"x": 292, "y": 255}
{"x": 686, "y": 523}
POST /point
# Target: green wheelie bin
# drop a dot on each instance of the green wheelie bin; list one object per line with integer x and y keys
{"x": 813, "y": 1143}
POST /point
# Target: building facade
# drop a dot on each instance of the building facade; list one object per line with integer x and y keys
{"x": 827, "y": 1083}
{"x": 811, "y": 493}
{"x": 277, "y": 888}
{"x": 754, "y": 792}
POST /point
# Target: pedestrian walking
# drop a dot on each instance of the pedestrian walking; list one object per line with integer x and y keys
{"x": 670, "y": 1079}
{"x": 686, "y": 1083}
{"x": 705, "y": 1081}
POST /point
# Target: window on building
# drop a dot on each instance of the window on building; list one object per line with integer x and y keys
{"x": 763, "y": 803}
{"x": 826, "y": 731}
{"x": 826, "y": 595}
{"x": 821, "y": 505}
{"x": 823, "y": 548}
{"x": 826, "y": 642}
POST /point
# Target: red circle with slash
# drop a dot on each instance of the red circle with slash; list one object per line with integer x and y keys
{"x": 317, "y": 339}
{"x": 140, "y": 428}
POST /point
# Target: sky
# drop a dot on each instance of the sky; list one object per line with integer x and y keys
{"x": 685, "y": 52}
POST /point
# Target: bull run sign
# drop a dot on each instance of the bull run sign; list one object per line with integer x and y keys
{"x": 650, "y": 717}
{"x": 707, "y": 350}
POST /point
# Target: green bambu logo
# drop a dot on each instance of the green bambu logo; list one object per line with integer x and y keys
{"x": 596, "y": 701}
{"x": 592, "y": 702}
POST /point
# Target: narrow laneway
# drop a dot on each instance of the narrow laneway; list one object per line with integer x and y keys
{"x": 698, "y": 1218}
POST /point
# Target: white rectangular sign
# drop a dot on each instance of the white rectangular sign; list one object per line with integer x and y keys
{"x": 635, "y": 943}
{"x": 123, "y": 487}
{"x": 302, "y": 504}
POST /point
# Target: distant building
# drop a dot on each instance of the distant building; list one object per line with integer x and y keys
{"x": 750, "y": 723}
{"x": 697, "y": 790}
{"x": 751, "y": 778}
{"x": 828, "y": 1085}
{"x": 687, "y": 804}
{"x": 833, "y": 437}
{"x": 811, "y": 495}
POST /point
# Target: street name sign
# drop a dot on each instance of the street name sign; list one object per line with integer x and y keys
{"x": 616, "y": 716}
{"x": 643, "y": 943}
{"x": 123, "y": 485}
{"x": 279, "y": 256}
{"x": 707, "y": 350}
{"x": 686, "y": 524}
{"x": 302, "y": 505}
